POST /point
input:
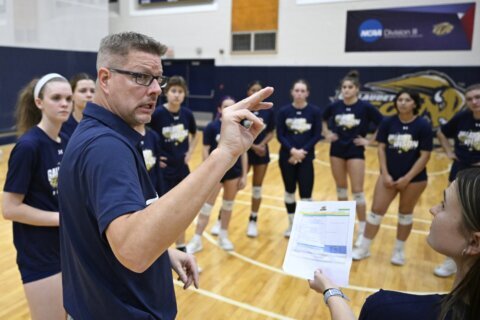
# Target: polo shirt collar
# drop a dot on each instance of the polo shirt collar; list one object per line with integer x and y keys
{"x": 112, "y": 121}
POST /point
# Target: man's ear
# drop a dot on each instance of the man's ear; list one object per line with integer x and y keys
{"x": 474, "y": 244}
{"x": 103, "y": 78}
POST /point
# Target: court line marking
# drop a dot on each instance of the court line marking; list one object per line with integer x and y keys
{"x": 392, "y": 216}
{"x": 234, "y": 302}
{"x": 280, "y": 271}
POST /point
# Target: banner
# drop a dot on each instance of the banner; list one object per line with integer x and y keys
{"x": 438, "y": 27}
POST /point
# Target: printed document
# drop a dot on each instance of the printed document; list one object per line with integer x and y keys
{"x": 321, "y": 237}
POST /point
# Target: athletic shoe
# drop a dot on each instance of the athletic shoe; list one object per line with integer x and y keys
{"x": 252, "y": 231}
{"x": 215, "y": 229}
{"x": 360, "y": 253}
{"x": 194, "y": 246}
{"x": 398, "y": 257}
{"x": 225, "y": 243}
{"x": 446, "y": 269}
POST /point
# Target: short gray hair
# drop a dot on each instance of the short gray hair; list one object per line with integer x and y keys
{"x": 118, "y": 46}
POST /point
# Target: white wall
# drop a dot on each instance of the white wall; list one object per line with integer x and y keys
{"x": 308, "y": 34}
{"x": 53, "y": 24}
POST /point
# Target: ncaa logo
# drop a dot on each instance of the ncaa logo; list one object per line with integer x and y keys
{"x": 370, "y": 30}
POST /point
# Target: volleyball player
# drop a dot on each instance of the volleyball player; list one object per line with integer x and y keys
{"x": 405, "y": 142}
{"x": 233, "y": 181}
{"x": 178, "y": 134}
{"x": 350, "y": 118}
{"x": 258, "y": 159}
{"x": 298, "y": 130}
{"x": 30, "y": 197}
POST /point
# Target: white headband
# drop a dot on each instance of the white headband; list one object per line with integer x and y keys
{"x": 43, "y": 80}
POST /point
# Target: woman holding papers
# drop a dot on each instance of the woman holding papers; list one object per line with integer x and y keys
{"x": 298, "y": 130}
{"x": 455, "y": 232}
{"x": 405, "y": 142}
{"x": 345, "y": 125}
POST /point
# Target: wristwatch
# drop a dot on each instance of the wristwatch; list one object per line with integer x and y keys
{"x": 333, "y": 292}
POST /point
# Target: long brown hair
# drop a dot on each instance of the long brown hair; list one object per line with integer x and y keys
{"x": 462, "y": 302}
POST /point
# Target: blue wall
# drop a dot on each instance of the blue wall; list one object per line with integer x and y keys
{"x": 19, "y": 65}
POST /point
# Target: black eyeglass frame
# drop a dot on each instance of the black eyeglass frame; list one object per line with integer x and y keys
{"x": 162, "y": 80}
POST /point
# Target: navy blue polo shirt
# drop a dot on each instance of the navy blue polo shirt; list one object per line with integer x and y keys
{"x": 465, "y": 130}
{"x": 33, "y": 171}
{"x": 268, "y": 117}
{"x": 351, "y": 121}
{"x": 102, "y": 177}
{"x": 404, "y": 141}
{"x": 299, "y": 128}
{"x": 174, "y": 130}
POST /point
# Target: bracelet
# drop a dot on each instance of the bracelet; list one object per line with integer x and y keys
{"x": 333, "y": 292}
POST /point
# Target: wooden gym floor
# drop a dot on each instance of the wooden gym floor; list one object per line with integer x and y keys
{"x": 249, "y": 283}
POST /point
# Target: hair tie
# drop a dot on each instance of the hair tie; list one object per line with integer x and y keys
{"x": 43, "y": 80}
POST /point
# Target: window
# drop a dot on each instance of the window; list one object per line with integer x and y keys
{"x": 254, "y": 41}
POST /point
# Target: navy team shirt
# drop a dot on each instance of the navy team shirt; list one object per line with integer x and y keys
{"x": 299, "y": 128}
{"x": 393, "y": 305}
{"x": 351, "y": 121}
{"x": 102, "y": 177}
{"x": 174, "y": 130}
{"x": 69, "y": 126}
{"x": 211, "y": 136}
{"x": 404, "y": 141}
{"x": 33, "y": 171}
{"x": 151, "y": 154}
{"x": 465, "y": 130}
{"x": 268, "y": 117}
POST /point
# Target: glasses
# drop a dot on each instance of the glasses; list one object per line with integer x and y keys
{"x": 143, "y": 79}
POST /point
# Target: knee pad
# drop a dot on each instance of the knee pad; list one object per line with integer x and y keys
{"x": 342, "y": 193}
{"x": 405, "y": 219}
{"x": 289, "y": 197}
{"x": 206, "y": 210}
{"x": 257, "y": 192}
{"x": 374, "y": 219}
{"x": 227, "y": 205}
{"x": 359, "y": 197}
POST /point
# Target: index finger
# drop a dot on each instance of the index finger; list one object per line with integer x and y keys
{"x": 254, "y": 100}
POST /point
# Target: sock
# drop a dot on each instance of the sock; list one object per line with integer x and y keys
{"x": 197, "y": 238}
{"x": 253, "y": 216}
{"x": 399, "y": 244}
{"x": 366, "y": 243}
{"x": 223, "y": 233}
{"x": 361, "y": 226}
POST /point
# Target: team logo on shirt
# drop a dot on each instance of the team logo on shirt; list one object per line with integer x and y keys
{"x": 403, "y": 142}
{"x": 346, "y": 121}
{"x": 175, "y": 133}
{"x": 149, "y": 159}
{"x": 441, "y": 97}
{"x": 298, "y": 125}
{"x": 52, "y": 175}
{"x": 470, "y": 139}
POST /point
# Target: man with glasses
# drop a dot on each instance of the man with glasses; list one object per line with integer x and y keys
{"x": 115, "y": 231}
